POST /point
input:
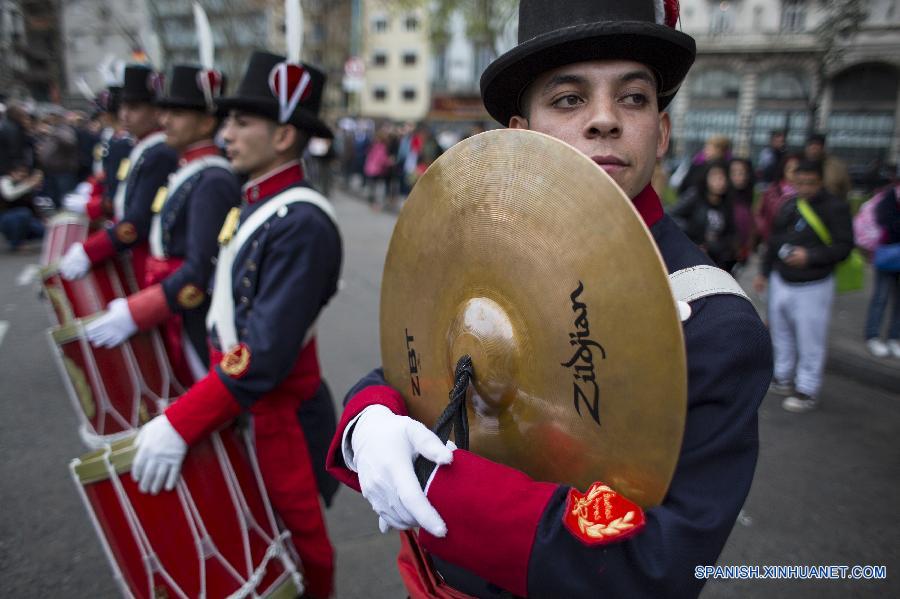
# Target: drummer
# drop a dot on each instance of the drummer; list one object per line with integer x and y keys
{"x": 278, "y": 267}
{"x": 141, "y": 175}
{"x": 187, "y": 216}
{"x": 597, "y": 75}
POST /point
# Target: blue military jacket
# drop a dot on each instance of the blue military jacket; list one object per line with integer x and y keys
{"x": 281, "y": 279}
{"x": 190, "y": 221}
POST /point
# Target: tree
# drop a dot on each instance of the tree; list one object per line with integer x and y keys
{"x": 486, "y": 20}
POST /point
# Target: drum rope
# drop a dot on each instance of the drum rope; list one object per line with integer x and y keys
{"x": 454, "y": 418}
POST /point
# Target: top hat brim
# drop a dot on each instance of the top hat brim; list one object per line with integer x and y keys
{"x": 302, "y": 119}
{"x": 668, "y": 52}
{"x": 175, "y": 102}
{"x": 127, "y": 98}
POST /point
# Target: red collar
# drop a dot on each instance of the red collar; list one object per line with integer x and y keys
{"x": 648, "y": 206}
{"x": 200, "y": 149}
{"x": 273, "y": 182}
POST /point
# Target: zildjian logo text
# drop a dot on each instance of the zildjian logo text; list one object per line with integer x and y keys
{"x": 585, "y": 388}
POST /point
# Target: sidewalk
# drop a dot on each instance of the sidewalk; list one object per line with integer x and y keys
{"x": 847, "y": 354}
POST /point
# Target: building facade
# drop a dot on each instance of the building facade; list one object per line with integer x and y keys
{"x": 13, "y": 65}
{"x": 766, "y": 64}
{"x": 396, "y": 51}
{"x": 96, "y": 32}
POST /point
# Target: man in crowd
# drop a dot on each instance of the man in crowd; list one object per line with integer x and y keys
{"x": 836, "y": 178}
{"x": 141, "y": 176}
{"x": 598, "y": 76}
{"x": 810, "y": 235}
{"x": 277, "y": 269}
{"x": 770, "y": 158}
{"x": 187, "y": 217}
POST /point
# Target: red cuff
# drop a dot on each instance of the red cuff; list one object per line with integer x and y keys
{"x": 94, "y": 208}
{"x": 99, "y": 246}
{"x": 376, "y": 395}
{"x": 149, "y": 307}
{"x": 492, "y": 513}
{"x": 204, "y": 408}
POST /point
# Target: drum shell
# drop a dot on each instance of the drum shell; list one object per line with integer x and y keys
{"x": 104, "y": 384}
{"x": 192, "y": 532}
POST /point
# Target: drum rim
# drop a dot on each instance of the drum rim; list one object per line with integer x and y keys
{"x": 71, "y": 331}
{"x": 92, "y": 467}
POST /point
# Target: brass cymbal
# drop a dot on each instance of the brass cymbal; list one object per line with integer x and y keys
{"x": 516, "y": 249}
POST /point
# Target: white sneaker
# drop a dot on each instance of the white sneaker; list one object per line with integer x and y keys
{"x": 879, "y": 348}
{"x": 894, "y": 346}
{"x": 799, "y": 403}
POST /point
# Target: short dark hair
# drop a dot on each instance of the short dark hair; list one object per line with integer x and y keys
{"x": 777, "y": 133}
{"x": 810, "y": 166}
{"x": 816, "y": 138}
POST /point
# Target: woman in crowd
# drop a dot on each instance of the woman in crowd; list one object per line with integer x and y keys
{"x": 705, "y": 214}
{"x": 773, "y": 197}
{"x": 741, "y": 183}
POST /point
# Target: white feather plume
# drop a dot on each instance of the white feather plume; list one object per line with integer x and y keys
{"x": 293, "y": 15}
{"x": 204, "y": 37}
{"x": 85, "y": 89}
{"x": 107, "y": 70}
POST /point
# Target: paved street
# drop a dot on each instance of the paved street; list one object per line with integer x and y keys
{"x": 826, "y": 491}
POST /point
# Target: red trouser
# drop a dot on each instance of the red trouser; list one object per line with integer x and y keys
{"x": 155, "y": 271}
{"x": 287, "y": 469}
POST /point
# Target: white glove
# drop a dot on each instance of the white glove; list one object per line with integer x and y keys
{"x": 384, "y": 448}
{"x": 75, "y": 262}
{"x": 160, "y": 452}
{"x": 114, "y": 327}
{"x": 77, "y": 200}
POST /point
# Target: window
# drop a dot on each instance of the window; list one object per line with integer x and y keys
{"x": 379, "y": 58}
{"x": 793, "y": 15}
{"x": 721, "y": 17}
{"x": 716, "y": 84}
{"x": 409, "y": 58}
{"x": 411, "y": 23}
{"x": 379, "y": 93}
{"x": 380, "y": 24}
{"x": 783, "y": 85}
{"x": 409, "y": 94}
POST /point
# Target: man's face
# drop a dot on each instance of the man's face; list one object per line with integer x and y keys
{"x": 815, "y": 150}
{"x": 249, "y": 142}
{"x": 139, "y": 118}
{"x": 778, "y": 141}
{"x": 606, "y": 109}
{"x": 184, "y": 127}
{"x": 807, "y": 183}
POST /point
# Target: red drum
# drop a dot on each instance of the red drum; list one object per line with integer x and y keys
{"x": 62, "y": 230}
{"x": 105, "y": 385}
{"x": 213, "y": 536}
{"x": 89, "y": 294}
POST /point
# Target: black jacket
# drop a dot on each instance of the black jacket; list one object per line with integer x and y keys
{"x": 887, "y": 215}
{"x": 790, "y": 228}
{"x": 710, "y": 227}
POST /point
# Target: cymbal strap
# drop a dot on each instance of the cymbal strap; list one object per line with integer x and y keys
{"x": 454, "y": 417}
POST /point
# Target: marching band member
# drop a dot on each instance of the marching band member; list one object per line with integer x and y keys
{"x": 277, "y": 268}
{"x": 597, "y": 75}
{"x": 187, "y": 216}
{"x": 140, "y": 176}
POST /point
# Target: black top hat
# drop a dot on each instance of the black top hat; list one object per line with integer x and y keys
{"x": 141, "y": 84}
{"x": 283, "y": 92}
{"x": 553, "y": 34}
{"x": 193, "y": 87}
{"x": 109, "y": 99}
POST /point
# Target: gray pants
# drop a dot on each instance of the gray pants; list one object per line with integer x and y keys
{"x": 799, "y": 314}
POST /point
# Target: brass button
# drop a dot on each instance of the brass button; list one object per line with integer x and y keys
{"x": 246, "y": 282}
{"x": 245, "y": 300}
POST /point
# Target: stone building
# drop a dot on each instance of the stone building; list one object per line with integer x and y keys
{"x": 761, "y": 64}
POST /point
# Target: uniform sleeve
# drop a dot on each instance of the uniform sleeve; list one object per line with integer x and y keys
{"x": 300, "y": 263}
{"x": 134, "y": 228}
{"x": 187, "y": 287}
{"x": 508, "y": 529}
